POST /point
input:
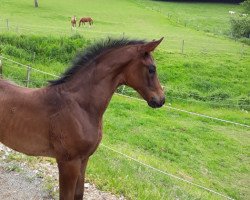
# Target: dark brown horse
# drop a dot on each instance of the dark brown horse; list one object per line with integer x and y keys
{"x": 86, "y": 19}
{"x": 73, "y": 21}
{"x": 64, "y": 119}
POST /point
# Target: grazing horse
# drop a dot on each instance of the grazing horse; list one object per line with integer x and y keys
{"x": 86, "y": 19}
{"x": 73, "y": 21}
{"x": 64, "y": 119}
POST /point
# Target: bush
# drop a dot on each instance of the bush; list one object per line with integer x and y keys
{"x": 240, "y": 26}
{"x": 246, "y": 6}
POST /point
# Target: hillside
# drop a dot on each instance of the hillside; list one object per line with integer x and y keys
{"x": 193, "y": 64}
{"x": 203, "y": 71}
{"x": 201, "y": 16}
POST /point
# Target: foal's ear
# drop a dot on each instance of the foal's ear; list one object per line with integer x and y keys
{"x": 150, "y": 46}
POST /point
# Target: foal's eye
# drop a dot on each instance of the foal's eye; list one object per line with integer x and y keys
{"x": 151, "y": 69}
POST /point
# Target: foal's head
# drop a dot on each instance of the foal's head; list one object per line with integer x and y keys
{"x": 141, "y": 74}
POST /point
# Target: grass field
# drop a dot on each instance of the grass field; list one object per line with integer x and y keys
{"x": 212, "y": 69}
{"x": 207, "y": 17}
{"x": 130, "y": 19}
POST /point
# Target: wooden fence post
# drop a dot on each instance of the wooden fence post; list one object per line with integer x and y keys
{"x": 36, "y": 3}
{"x": 1, "y": 69}
{"x": 182, "y": 47}
{"x": 28, "y": 76}
{"x": 7, "y": 24}
{"x": 34, "y": 56}
{"x": 242, "y": 50}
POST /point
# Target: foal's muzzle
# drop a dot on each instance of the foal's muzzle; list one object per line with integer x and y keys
{"x": 154, "y": 103}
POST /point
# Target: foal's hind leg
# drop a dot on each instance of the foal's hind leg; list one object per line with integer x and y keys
{"x": 68, "y": 174}
{"x": 80, "y": 182}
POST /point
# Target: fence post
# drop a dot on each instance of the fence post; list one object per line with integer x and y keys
{"x": 242, "y": 50}
{"x": 7, "y": 24}
{"x": 1, "y": 68}
{"x": 34, "y": 56}
{"x": 182, "y": 47}
{"x": 28, "y": 76}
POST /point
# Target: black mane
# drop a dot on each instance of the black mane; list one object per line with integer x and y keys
{"x": 88, "y": 54}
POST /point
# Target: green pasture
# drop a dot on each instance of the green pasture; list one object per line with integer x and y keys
{"x": 202, "y": 70}
{"x": 130, "y": 19}
{"x": 207, "y": 17}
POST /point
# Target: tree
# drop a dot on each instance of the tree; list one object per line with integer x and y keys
{"x": 240, "y": 23}
{"x": 36, "y": 3}
{"x": 212, "y": 1}
{"x": 246, "y": 6}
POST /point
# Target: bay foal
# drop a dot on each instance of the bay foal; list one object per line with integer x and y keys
{"x": 64, "y": 119}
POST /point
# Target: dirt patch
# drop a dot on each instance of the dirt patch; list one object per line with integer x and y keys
{"x": 15, "y": 186}
{"x": 20, "y": 180}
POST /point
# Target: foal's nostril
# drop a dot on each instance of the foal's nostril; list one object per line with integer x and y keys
{"x": 153, "y": 103}
{"x": 154, "y": 99}
{"x": 156, "y": 103}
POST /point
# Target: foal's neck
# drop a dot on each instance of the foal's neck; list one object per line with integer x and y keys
{"x": 92, "y": 87}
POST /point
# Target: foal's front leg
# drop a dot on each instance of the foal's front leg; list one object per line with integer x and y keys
{"x": 80, "y": 182}
{"x": 68, "y": 174}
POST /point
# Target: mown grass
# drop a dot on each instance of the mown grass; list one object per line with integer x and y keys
{"x": 200, "y": 150}
{"x": 213, "y": 70}
{"x": 129, "y": 19}
{"x": 207, "y": 17}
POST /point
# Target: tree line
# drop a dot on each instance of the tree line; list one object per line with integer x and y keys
{"x": 213, "y": 1}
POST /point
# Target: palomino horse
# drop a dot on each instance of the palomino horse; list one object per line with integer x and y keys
{"x": 64, "y": 119}
{"x": 86, "y": 19}
{"x": 73, "y": 21}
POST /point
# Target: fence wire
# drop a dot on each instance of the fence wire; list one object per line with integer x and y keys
{"x": 48, "y": 76}
{"x": 172, "y": 185}
{"x": 166, "y": 173}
